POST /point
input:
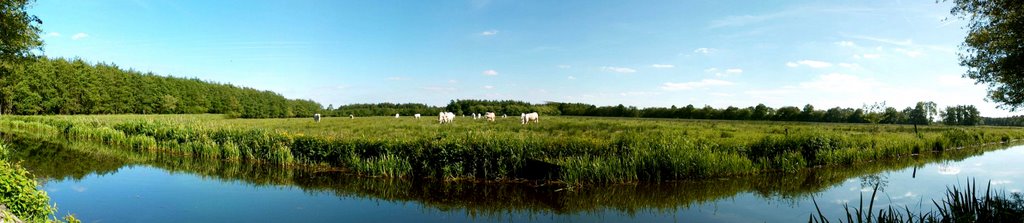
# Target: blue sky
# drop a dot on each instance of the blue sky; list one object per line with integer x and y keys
{"x": 642, "y": 53}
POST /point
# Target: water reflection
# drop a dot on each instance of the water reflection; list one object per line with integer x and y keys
{"x": 63, "y": 161}
{"x": 946, "y": 169}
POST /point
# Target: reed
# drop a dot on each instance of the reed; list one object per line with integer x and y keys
{"x": 573, "y": 150}
{"x": 959, "y": 205}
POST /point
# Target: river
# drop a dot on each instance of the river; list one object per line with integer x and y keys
{"x": 108, "y": 186}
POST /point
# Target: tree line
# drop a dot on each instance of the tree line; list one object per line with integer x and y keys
{"x": 72, "y": 86}
{"x": 922, "y": 113}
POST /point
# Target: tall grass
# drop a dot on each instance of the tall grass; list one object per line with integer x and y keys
{"x": 570, "y": 149}
{"x": 959, "y": 205}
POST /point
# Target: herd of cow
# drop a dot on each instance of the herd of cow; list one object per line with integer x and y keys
{"x": 448, "y": 117}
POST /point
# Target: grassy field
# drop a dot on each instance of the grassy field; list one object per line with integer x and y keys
{"x": 575, "y": 150}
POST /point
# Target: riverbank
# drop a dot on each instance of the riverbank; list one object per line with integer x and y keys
{"x": 573, "y": 150}
{"x": 21, "y": 200}
{"x": 81, "y": 173}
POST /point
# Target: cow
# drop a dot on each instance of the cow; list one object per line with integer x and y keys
{"x": 396, "y": 115}
{"x": 490, "y": 116}
{"x": 351, "y": 116}
{"x": 445, "y": 117}
{"x": 417, "y": 115}
{"x": 316, "y": 117}
{"x": 532, "y": 116}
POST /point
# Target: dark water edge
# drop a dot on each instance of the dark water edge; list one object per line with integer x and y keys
{"x": 69, "y": 162}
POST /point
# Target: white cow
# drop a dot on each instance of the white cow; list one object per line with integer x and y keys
{"x": 417, "y": 115}
{"x": 532, "y": 116}
{"x": 504, "y": 116}
{"x": 316, "y": 117}
{"x": 445, "y": 117}
{"x": 490, "y": 116}
{"x": 351, "y": 116}
{"x": 396, "y": 115}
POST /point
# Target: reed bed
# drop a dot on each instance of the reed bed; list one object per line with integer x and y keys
{"x": 574, "y": 150}
{"x": 963, "y": 204}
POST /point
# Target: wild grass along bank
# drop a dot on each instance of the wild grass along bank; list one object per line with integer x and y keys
{"x": 574, "y": 150}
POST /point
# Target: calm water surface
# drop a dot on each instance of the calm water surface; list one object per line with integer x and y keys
{"x": 112, "y": 187}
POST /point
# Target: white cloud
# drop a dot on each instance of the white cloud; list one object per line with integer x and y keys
{"x": 572, "y": 78}
{"x": 909, "y": 53}
{"x": 743, "y": 20}
{"x": 638, "y": 93}
{"x": 998, "y": 182}
{"x": 837, "y": 82}
{"x": 79, "y": 36}
{"x": 727, "y": 72}
{"x": 662, "y": 65}
{"x": 720, "y": 94}
{"x": 906, "y": 42}
{"x": 489, "y": 33}
{"x": 624, "y": 70}
{"x": 439, "y": 89}
{"x": 563, "y": 66}
{"x": 491, "y": 73}
{"x": 488, "y": 87}
{"x": 694, "y": 84}
{"x": 867, "y": 56}
{"x": 453, "y": 81}
{"x": 704, "y": 50}
{"x": 846, "y": 44}
{"x": 953, "y": 81}
{"x": 53, "y": 34}
{"x": 809, "y": 63}
{"x": 849, "y": 65}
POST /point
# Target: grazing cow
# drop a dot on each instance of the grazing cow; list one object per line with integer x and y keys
{"x": 445, "y": 117}
{"x": 417, "y": 115}
{"x": 316, "y": 117}
{"x": 396, "y": 115}
{"x": 490, "y": 116}
{"x": 532, "y": 116}
{"x": 351, "y": 116}
{"x": 504, "y": 116}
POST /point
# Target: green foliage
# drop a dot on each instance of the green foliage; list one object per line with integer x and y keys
{"x": 61, "y": 86}
{"x": 961, "y": 115}
{"x": 20, "y": 31}
{"x": 18, "y": 192}
{"x": 575, "y": 150}
{"x": 993, "y": 51}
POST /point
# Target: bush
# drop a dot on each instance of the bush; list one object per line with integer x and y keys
{"x": 18, "y": 191}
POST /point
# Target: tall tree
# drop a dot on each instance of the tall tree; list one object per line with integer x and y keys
{"x": 19, "y": 31}
{"x": 19, "y": 35}
{"x": 922, "y": 113}
{"x": 994, "y": 47}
